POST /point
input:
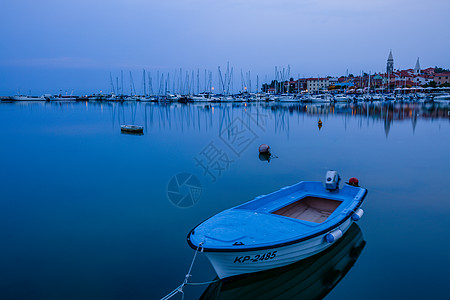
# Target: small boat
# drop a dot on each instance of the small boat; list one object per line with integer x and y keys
{"x": 442, "y": 98}
{"x": 278, "y": 229}
{"x": 341, "y": 98}
{"x": 132, "y": 128}
{"x": 311, "y": 278}
{"x": 28, "y": 98}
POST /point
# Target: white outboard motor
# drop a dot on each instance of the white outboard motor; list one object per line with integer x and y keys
{"x": 332, "y": 180}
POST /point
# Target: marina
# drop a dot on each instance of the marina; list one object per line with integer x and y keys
{"x": 406, "y": 95}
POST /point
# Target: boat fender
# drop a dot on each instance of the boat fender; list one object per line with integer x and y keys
{"x": 357, "y": 215}
{"x": 353, "y": 182}
{"x": 264, "y": 148}
{"x": 333, "y": 236}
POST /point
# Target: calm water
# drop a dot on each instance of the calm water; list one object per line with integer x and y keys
{"x": 85, "y": 212}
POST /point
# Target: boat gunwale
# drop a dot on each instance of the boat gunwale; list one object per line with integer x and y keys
{"x": 278, "y": 245}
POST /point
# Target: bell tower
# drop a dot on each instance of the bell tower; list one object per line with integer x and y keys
{"x": 390, "y": 64}
{"x": 417, "y": 67}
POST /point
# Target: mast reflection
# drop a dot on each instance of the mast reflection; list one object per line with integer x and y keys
{"x": 275, "y": 117}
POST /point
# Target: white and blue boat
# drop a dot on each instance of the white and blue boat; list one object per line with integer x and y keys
{"x": 311, "y": 278}
{"x": 278, "y": 229}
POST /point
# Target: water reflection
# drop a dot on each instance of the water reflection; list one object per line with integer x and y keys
{"x": 279, "y": 116}
{"x": 275, "y": 116}
{"x": 312, "y": 278}
{"x": 265, "y": 157}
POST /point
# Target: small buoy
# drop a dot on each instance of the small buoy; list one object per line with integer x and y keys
{"x": 319, "y": 124}
{"x": 354, "y": 182}
{"x": 264, "y": 148}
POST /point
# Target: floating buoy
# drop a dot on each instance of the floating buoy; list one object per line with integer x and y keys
{"x": 319, "y": 124}
{"x": 354, "y": 182}
{"x": 264, "y": 148}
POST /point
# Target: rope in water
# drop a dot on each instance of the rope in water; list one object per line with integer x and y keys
{"x": 179, "y": 289}
{"x": 202, "y": 283}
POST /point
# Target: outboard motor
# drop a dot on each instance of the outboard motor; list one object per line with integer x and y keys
{"x": 332, "y": 180}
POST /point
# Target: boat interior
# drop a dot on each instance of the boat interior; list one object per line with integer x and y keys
{"x": 311, "y": 209}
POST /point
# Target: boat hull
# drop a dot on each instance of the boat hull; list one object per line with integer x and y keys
{"x": 311, "y": 278}
{"x": 132, "y": 128}
{"x": 232, "y": 264}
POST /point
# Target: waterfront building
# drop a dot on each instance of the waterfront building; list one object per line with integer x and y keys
{"x": 441, "y": 78}
{"x": 422, "y": 79}
{"x": 317, "y": 84}
{"x": 428, "y": 71}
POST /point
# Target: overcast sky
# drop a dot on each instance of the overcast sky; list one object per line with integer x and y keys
{"x": 52, "y": 45}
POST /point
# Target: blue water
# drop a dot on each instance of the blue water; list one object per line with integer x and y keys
{"x": 85, "y": 211}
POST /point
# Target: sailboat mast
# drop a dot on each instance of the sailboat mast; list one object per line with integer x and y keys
{"x": 121, "y": 79}
{"x": 143, "y": 77}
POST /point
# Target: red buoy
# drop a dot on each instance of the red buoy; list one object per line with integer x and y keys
{"x": 353, "y": 181}
{"x": 264, "y": 148}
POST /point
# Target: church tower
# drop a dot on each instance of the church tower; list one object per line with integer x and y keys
{"x": 390, "y": 64}
{"x": 417, "y": 67}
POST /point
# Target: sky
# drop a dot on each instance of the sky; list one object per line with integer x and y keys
{"x": 49, "y": 46}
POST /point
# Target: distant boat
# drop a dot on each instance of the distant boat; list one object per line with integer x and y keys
{"x": 322, "y": 98}
{"x": 28, "y": 98}
{"x": 287, "y": 98}
{"x": 311, "y": 278}
{"x": 341, "y": 98}
{"x": 132, "y": 128}
{"x": 442, "y": 98}
{"x": 64, "y": 98}
{"x": 278, "y": 229}
{"x": 201, "y": 97}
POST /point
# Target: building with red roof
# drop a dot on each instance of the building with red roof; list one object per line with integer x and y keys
{"x": 441, "y": 78}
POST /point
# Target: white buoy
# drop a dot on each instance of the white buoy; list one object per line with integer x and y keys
{"x": 357, "y": 215}
{"x": 333, "y": 236}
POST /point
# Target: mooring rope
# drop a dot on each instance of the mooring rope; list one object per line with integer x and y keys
{"x": 203, "y": 283}
{"x": 179, "y": 289}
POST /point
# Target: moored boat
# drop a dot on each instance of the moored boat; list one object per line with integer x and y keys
{"x": 311, "y": 278}
{"x": 28, "y": 98}
{"x": 278, "y": 229}
{"x": 132, "y": 128}
{"x": 442, "y": 98}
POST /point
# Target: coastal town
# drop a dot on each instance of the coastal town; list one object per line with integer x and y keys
{"x": 412, "y": 79}
{"x": 431, "y": 84}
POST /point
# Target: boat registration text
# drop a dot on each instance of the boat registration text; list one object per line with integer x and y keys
{"x": 255, "y": 258}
